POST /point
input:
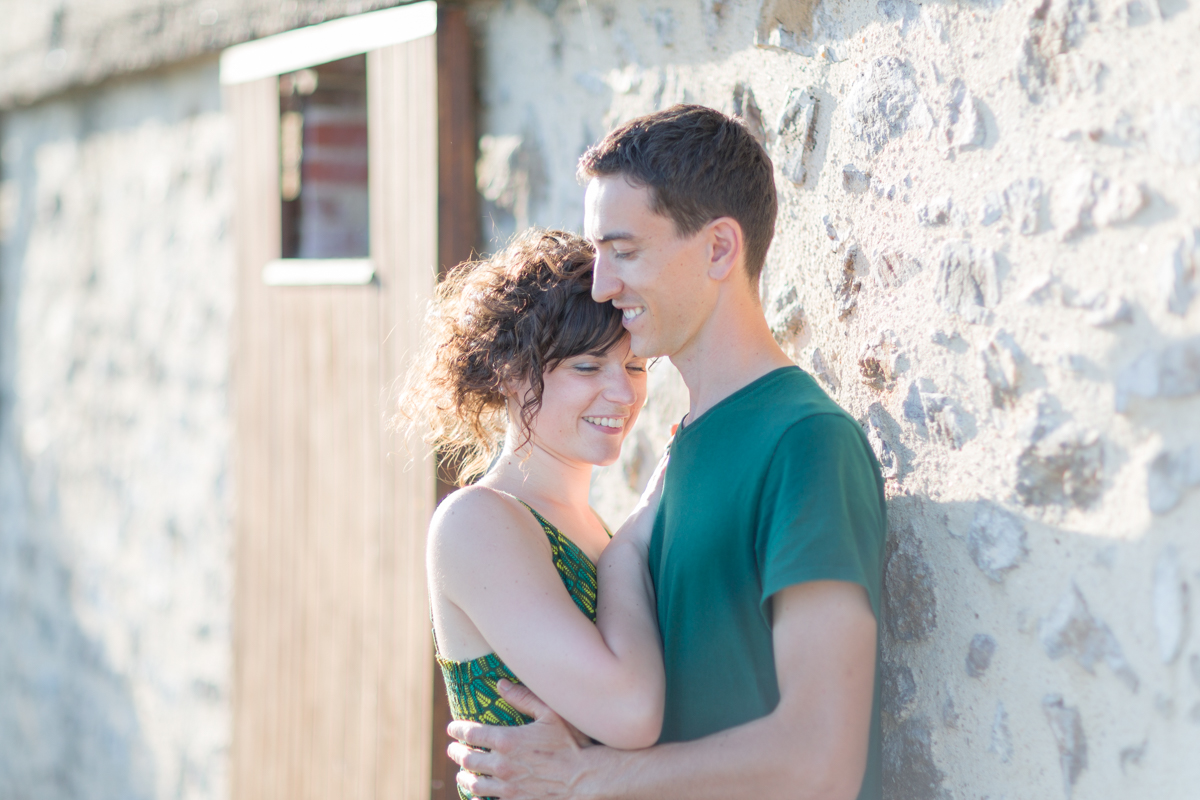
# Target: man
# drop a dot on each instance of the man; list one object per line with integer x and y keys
{"x": 767, "y": 549}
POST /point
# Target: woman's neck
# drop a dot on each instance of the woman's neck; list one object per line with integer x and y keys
{"x": 540, "y": 478}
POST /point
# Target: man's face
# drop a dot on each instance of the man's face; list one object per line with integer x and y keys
{"x": 655, "y": 276}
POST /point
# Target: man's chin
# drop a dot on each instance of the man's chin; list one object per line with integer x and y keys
{"x": 645, "y": 348}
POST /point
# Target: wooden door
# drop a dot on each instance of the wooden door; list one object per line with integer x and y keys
{"x": 332, "y": 655}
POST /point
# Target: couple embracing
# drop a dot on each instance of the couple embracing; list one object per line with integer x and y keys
{"x": 722, "y": 642}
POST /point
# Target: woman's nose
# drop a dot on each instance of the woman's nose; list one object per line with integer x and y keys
{"x": 620, "y": 388}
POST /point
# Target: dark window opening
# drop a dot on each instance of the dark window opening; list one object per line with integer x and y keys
{"x": 323, "y": 160}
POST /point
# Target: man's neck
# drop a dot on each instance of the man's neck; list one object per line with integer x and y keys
{"x": 733, "y": 349}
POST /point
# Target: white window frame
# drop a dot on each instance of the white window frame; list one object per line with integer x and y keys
{"x": 300, "y": 49}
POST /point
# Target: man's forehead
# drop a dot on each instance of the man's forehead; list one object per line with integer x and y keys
{"x": 615, "y": 209}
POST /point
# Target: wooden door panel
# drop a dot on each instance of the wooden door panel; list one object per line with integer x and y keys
{"x": 332, "y": 660}
{"x": 403, "y": 106}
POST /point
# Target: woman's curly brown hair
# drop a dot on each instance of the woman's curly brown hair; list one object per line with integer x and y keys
{"x": 492, "y": 324}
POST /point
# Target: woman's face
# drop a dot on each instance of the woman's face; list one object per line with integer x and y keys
{"x": 589, "y": 405}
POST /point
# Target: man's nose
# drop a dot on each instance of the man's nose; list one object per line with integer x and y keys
{"x": 605, "y": 285}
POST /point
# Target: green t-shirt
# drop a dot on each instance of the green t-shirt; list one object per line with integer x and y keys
{"x": 773, "y": 486}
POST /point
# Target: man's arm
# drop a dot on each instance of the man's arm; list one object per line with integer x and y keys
{"x": 813, "y": 745}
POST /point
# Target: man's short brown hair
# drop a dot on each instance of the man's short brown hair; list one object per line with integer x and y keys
{"x": 699, "y": 165}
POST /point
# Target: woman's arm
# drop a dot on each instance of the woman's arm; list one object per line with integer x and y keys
{"x": 490, "y": 559}
{"x": 626, "y": 616}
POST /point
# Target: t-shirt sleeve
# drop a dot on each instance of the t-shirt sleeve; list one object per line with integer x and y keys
{"x": 821, "y": 512}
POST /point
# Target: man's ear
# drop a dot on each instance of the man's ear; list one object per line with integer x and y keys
{"x": 725, "y": 247}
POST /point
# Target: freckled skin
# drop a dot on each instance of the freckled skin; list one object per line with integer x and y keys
{"x": 610, "y": 385}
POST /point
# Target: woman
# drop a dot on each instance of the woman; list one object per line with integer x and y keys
{"x": 530, "y": 375}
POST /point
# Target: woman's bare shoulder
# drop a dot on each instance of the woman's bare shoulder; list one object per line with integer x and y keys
{"x": 477, "y": 519}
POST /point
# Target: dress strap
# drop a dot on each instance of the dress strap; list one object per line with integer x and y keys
{"x": 550, "y": 529}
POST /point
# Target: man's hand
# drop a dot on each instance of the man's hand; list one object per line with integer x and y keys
{"x": 539, "y": 761}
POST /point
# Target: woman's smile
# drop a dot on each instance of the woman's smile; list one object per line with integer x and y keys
{"x": 609, "y": 425}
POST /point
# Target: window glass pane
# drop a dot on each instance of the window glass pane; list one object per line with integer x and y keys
{"x": 323, "y": 154}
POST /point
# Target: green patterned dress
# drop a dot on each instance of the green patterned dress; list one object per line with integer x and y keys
{"x": 471, "y": 685}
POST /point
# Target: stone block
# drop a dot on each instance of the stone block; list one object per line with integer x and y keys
{"x": 996, "y": 541}
{"x": 935, "y": 212}
{"x": 854, "y": 180}
{"x": 794, "y": 168}
{"x": 1044, "y": 62}
{"x": 1022, "y": 202}
{"x": 1110, "y": 311}
{"x": 964, "y": 128}
{"x": 880, "y": 437}
{"x": 914, "y": 408}
{"x": 745, "y": 107}
{"x": 1132, "y": 756}
{"x": 884, "y": 103}
{"x": 894, "y": 268}
{"x": 1170, "y": 474}
{"x": 1006, "y": 368}
{"x": 881, "y": 361}
{"x": 898, "y": 10}
{"x": 909, "y": 770}
{"x": 1181, "y": 273}
{"x": 1071, "y": 629}
{"x": 899, "y": 690}
{"x": 786, "y": 25}
{"x": 1032, "y": 68}
{"x": 1064, "y": 468}
{"x": 979, "y": 654}
{"x": 848, "y": 283}
{"x": 835, "y": 237}
{"x": 1067, "y": 727}
{"x": 1170, "y": 605}
{"x": 796, "y": 134}
{"x": 967, "y": 282}
{"x": 511, "y": 175}
{"x": 1118, "y": 202}
{"x": 910, "y": 602}
{"x": 786, "y": 318}
{"x": 992, "y": 209}
{"x": 1045, "y": 417}
{"x": 820, "y": 368}
{"x": 940, "y": 415}
{"x": 949, "y": 713}
{"x": 1087, "y": 200}
{"x": 1001, "y": 743}
{"x": 1170, "y": 371}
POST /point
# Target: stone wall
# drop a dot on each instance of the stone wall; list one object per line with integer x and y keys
{"x": 988, "y": 246}
{"x": 48, "y": 47}
{"x": 116, "y": 287}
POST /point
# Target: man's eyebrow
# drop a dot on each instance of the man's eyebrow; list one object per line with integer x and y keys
{"x": 615, "y": 236}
